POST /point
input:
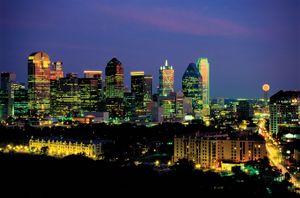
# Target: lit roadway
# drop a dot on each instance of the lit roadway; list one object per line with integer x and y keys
{"x": 275, "y": 155}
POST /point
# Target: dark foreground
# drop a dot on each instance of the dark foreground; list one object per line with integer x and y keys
{"x": 42, "y": 176}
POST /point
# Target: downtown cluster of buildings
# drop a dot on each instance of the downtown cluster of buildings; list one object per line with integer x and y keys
{"x": 93, "y": 98}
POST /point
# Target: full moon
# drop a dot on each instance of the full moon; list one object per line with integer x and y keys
{"x": 266, "y": 87}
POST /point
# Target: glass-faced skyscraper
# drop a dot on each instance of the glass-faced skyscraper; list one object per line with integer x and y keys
{"x": 137, "y": 88}
{"x": 192, "y": 86}
{"x": 39, "y": 83}
{"x": 166, "y": 79}
{"x": 114, "y": 87}
{"x": 203, "y": 67}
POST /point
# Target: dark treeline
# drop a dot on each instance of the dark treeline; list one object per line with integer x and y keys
{"x": 44, "y": 176}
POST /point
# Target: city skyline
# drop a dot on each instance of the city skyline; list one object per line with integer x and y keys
{"x": 249, "y": 48}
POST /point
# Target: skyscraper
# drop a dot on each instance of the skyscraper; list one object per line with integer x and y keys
{"x": 284, "y": 110}
{"x": 89, "y": 94}
{"x": 6, "y": 78}
{"x": 39, "y": 83}
{"x": 18, "y": 104}
{"x": 138, "y": 89}
{"x": 97, "y": 74}
{"x": 56, "y": 70}
{"x": 114, "y": 88}
{"x": 166, "y": 79}
{"x": 148, "y": 93}
{"x": 192, "y": 87}
{"x": 203, "y": 67}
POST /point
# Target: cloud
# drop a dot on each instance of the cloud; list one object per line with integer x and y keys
{"x": 178, "y": 21}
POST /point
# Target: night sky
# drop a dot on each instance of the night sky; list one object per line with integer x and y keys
{"x": 248, "y": 42}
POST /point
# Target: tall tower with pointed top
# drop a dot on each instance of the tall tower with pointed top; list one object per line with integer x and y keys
{"x": 166, "y": 79}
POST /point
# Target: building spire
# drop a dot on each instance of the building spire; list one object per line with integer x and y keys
{"x": 166, "y": 62}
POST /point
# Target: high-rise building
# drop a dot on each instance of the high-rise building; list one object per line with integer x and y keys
{"x": 244, "y": 110}
{"x": 56, "y": 70}
{"x": 68, "y": 96}
{"x": 166, "y": 79}
{"x": 203, "y": 66}
{"x": 137, "y": 88}
{"x": 89, "y": 94}
{"x": 17, "y": 100}
{"x": 129, "y": 106}
{"x": 114, "y": 88}
{"x": 97, "y": 74}
{"x": 6, "y": 79}
{"x": 192, "y": 87}
{"x": 284, "y": 110}
{"x": 3, "y": 104}
{"x": 39, "y": 83}
{"x": 148, "y": 93}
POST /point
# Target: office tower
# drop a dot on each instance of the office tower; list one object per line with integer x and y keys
{"x": 284, "y": 110}
{"x": 203, "y": 67}
{"x": 68, "y": 96}
{"x": 17, "y": 100}
{"x": 166, "y": 79}
{"x": 97, "y": 74}
{"x": 129, "y": 106}
{"x": 3, "y": 104}
{"x": 148, "y": 93}
{"x": 192, "y": 87}
{"x": 138, "y": 89}
{"x": 89, "y": 94}
{"x": 114, "y": 88}
{"x": 39, "y": 83}
{"x": 244, "y": 110}
{"x": 168, "y": 104}
{"x": 6, "y": 79}
{"x": 266, "y": 89}
{"x": 179, "y": 107}
{"x": 56, "y": 70}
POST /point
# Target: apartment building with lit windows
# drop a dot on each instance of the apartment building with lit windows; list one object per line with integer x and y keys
{"x": 208, "y": 151}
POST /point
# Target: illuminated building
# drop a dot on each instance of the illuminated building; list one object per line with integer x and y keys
{"x": 114, "y": 88}
{"x": 60, "y": 147}
{"x": 209, "y": 151}
{"x": 203, "y": 67}
{"x": 97, "y": 74}
{"x": 56, "y": 70}
{"x": 39, "y": 83}
{"x": 244, "y": 110}
{"x": 6, "y": 79}
{"x": 137, "y": 88}
{"x": 3, "y": 104}
{"x": 168, "y": 104}
{"x": 148, "y": 93}
{"x": 192, "y": 87}
{"x": 284, "y": 110}
{"x": 129, "y": 106}
{"x": 18, "y": 100}
{"x": 68, "y": 96}
{"x": 89, "y": 94}
{"x": 179, "y": 110}
{"x": 166, "y": 79}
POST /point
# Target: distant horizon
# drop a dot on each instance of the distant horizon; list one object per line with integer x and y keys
{"x": 247, "y": 43}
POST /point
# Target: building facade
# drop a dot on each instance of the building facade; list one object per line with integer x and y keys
{"x": 192, "y": 87}
{"x": 166, "y": 79}
{"x": 284, "y": 110}
{"x": 114, "y": 88}
{"x": 203, "y": 67}
{"x": 61, "y": 148}
{"x": 39, "y": 84}
{"x": 210, "y": 151}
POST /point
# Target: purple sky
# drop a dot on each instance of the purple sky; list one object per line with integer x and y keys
{"x": 248, "y": 42}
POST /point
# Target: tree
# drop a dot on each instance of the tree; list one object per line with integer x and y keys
{"x": 45, "y": 150}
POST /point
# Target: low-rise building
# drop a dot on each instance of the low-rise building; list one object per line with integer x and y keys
{"x": 208, "y": 151}
{"x": 64, "y": 147}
